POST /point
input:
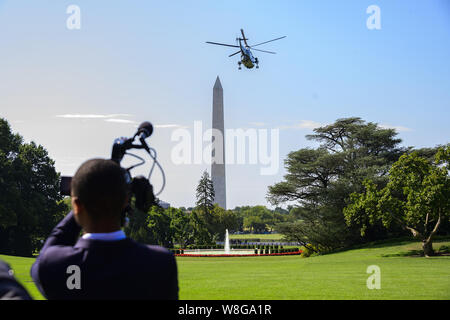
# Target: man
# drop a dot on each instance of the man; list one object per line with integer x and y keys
{"x": 103, "y": 263}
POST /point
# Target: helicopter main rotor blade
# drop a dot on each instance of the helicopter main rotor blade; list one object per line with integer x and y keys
{"x": 264, "y": 51}
{"x": 268, "y": 41}
{"x": 223, "y": 44}
{"x": 244, "y": 38}
{"x": 234, "y": 53}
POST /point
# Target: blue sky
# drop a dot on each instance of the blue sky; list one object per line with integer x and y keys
{"x": 147, "y": 60}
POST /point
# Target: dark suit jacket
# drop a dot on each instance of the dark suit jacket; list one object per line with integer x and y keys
{"x": 122, "y": 269}
{"x": 10, "y": 288}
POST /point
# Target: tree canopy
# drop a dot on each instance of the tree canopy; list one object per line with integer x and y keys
{"x": 205, "y": 193}
{"x": 30, "y": 202}
{"x": 417, "y": 198}
{"x": 319, "y": 181}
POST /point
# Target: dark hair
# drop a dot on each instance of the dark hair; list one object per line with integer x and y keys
{"x": 101, "y": 187}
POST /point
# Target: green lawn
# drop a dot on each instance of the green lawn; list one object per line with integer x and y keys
{"x": 335, "y": 276}
{"x": 274, "y": 236}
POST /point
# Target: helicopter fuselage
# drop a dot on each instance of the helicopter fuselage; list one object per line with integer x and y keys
{"x": 247, "y": 58}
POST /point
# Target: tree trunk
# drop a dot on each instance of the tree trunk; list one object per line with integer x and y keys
{"x": 427, "y": 246}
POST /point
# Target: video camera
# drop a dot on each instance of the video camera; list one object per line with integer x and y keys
{"x": 140, "y": 186}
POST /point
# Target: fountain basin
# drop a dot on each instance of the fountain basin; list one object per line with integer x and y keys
{"x": 219, "y": 252}
{"x": 233, "y": 253}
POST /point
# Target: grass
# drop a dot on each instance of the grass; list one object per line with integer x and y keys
{"x": 339, "y": 275}
{"x": 272, "y": 236}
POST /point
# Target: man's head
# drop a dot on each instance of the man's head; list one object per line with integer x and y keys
{"x": 99, "y": 193}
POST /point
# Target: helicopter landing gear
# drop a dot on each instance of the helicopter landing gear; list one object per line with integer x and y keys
{"x": 239, "y": 64}
{"x": 257, "y": 63}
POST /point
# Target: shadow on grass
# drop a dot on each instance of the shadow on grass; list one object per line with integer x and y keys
{"x": 410, "y": 253}
{"x": 442, "y": 251}
{"x": 393, "y": 242}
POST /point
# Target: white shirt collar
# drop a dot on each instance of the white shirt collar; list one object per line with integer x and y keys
{"x": 110, "y": 236}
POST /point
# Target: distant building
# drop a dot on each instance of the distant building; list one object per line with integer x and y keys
{"x": 164, "y": 204}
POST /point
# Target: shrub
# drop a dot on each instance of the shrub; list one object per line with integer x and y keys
{"x": 307, "y": 252}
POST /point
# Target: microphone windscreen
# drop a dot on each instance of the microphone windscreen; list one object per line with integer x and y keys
{"x": 146, "y": 128}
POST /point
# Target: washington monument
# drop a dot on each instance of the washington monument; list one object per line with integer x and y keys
{"x": 218, "y": 169}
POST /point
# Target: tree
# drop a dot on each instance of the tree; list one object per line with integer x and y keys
{"x": 255, "y": 224}
{"x": 138, "y": 228}
{"x": 257, "y": 218}
{"x": 180, "y": 226}
{"x": 205, "y": 193}
{"x": 320, "y": 181}
{"x": 159, "y": 224}
{"x": 224, "y": 219}
{"x": 205, "y": 201}
{"x": 30, "y": 202}
{"x": 417, "y": 198}
{"x": 200, "y": 232}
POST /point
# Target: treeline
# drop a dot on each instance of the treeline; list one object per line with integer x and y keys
{"x": 204, "y": 224}
{"x": 30, "y": 202}
{"x": 181, "y": 227}
{"x": 360, "y": 185}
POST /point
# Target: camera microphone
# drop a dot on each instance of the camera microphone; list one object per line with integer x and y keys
{"x": 119, "y": 150}
{"x": 145, "y": 130}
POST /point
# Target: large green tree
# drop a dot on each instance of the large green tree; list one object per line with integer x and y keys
{"x": 30, "y": 202}
{"x": 200, "y": 232}
{"x": 319, "y": 181}
{"x": 257, "y": 218}
{"x": 221, "y": 220}
{"x": 417, "y": 198}
{"x": 205, "y": 193}
{"x": 182, "y": 229}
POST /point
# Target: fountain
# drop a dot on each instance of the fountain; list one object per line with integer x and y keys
{"x": 227, "y": 243}
{"x": 226, "y": 251}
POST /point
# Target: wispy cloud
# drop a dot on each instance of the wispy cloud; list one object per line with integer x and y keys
{"x": 115, "y": 118}
{"x": 397, "y": 128}
{"x": 121, "y": 121}
{"x": 169, "y": 126}
{"x": 302, "y": 124}
{"x": 92, "y": 116}
{"x": 257, "y": 124}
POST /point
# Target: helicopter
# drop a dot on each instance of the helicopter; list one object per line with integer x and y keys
{"x": 247, "y": 58}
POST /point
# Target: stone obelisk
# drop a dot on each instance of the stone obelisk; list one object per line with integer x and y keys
{"x": 218, "y": 160}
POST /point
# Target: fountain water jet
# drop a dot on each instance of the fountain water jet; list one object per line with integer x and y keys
{"x": 227, "y": 242}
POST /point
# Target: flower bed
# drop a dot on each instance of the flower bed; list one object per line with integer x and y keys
{"x": 239, "y": 255}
